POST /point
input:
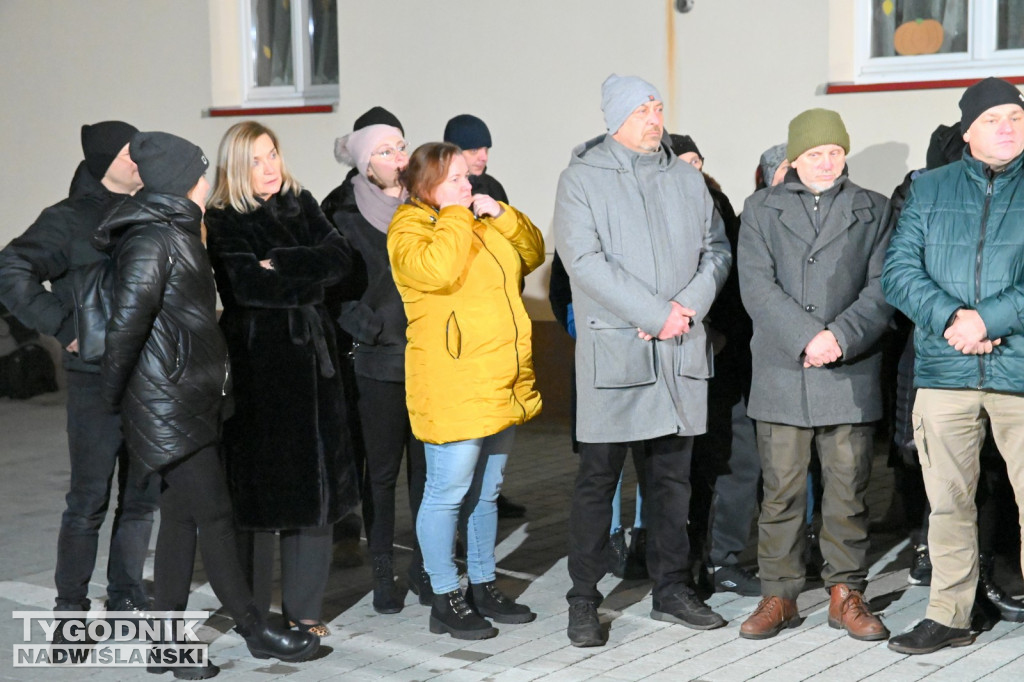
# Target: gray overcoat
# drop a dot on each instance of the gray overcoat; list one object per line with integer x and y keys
{"x": 637, "y": 231}
{"x": 796, "y": 281}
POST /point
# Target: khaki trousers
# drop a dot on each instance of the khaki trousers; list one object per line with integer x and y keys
{"x": 845, "y": 454}
{"x": 949, "y": 428}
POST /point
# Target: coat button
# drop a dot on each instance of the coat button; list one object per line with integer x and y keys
{"x": 810, "y": 308}
{"x": 811, "y": 260}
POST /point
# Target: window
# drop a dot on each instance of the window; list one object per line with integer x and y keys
{"x": 290, "y": 52}
{"x": 925, "y": 40}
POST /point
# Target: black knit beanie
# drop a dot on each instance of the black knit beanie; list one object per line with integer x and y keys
{"x": 984, "y": 95}
{"x": 377, "y": 115}
{"x": 946, "y": 146}
{"x": 682, "y": 144}
{"x": 167, "y": 163}
{"x": 468, "y": 132}
{"x": 102, "y": 142}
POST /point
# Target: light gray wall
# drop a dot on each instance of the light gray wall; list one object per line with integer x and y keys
{"x": 733, "y": 73}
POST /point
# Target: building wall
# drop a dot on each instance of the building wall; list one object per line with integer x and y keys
{"x": 732, "y": 73}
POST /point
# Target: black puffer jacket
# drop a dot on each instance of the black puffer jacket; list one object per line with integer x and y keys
{"x": 166, "y": 362}
{"x": 56, "y": 244}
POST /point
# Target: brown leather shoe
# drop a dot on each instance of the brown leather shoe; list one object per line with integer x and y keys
{"x": 772, "y": 616}
{"x": 847, "y": 611}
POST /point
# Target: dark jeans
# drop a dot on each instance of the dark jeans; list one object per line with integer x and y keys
{"x": 384, "y": 420}
{"x": 725, "y": 475}
{"x": 195, "y": 504}
{"x": 96, "y": 448}
{"x": 666, "y": 465}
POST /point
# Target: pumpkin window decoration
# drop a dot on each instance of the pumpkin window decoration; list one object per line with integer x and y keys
{"x": 921, "y": 36}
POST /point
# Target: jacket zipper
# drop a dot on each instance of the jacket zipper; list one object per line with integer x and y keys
{"x": 504, "y": 290}
{"x": 977, "y": 268}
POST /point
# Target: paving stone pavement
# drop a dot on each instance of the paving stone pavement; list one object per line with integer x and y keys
{"x": 532, "y": 567}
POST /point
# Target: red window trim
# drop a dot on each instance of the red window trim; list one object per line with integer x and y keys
{"x": 847, "y": 88}
{"x": 270, "y": 111}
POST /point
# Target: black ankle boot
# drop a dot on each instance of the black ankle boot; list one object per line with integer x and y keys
{"x": 450, "y": 613}
{"x": 167, "y": 636}
{"x": 490, "y": 602}
{"x": 385, "y": 592}
{"x": 1009, "y": 608}
{"x": 265, "y": 641}
{"x": 419, "y": 581}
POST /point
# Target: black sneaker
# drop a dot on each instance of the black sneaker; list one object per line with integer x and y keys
{"x": 636, "y": 558}
{"x": 921, "y": 570}
{"x": 736, "y": 579}
{"x": 450, "y": 613}
{"x": 928, "y": 636}
{"x": 686, "y": 608}
{"x": 584, "y": 626}
{"x": 490, "y": 602}
{"x": 617, "y": 553}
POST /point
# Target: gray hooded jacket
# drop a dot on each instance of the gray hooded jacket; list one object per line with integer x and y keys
{"x": 637, "y": 231}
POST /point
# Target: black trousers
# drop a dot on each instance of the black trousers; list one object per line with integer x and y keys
{"x": 195, "y": 504}
{"x": 666, "y": 465}
{"x": 386, "y": 433}
{"x": 305, "y": 565}
{"x": 96, "y": 449}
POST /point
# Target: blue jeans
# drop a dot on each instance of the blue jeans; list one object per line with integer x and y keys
{"x": 464, "y": 476}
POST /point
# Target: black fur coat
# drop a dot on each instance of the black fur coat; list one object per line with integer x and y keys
{"x": 287, "y": 448}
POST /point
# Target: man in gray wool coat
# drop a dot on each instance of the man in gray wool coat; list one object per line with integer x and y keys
{"x": 646, "y": 253}
{"x": 810, "y": 259}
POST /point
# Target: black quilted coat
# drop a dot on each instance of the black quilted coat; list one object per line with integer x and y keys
{"x": 166, "y": 363}
{"x": 287, "y": 448}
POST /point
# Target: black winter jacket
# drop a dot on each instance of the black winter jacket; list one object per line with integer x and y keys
{"x": 376, "y": 322}
{"x": 166, "y": 363}
{"x": 57, "y": 243}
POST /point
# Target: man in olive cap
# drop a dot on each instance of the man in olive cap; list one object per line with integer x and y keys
{"x": 956, "y": 268}
{"x": 810, "y": 258}
{"x": 55, "y": 245}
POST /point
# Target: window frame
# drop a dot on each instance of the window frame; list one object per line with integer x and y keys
{"x": 302, "y": 92}
{"x": 982, "y": 59}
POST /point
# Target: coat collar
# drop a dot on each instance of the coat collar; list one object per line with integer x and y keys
{"x": 849, "y": 206}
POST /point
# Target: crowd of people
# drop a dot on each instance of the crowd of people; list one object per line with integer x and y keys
{"x": 737, "y": 358}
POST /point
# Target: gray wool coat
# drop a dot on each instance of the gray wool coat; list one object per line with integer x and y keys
{"x": 795, "y": 282}
{"x": 637, "y": 231}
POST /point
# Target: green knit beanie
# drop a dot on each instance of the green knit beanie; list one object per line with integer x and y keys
{"x": 813, "y": 128}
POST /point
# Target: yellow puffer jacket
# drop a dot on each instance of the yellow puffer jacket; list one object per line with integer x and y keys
{"x": 468, "y": 363}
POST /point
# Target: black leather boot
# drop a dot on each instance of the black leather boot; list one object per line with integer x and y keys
{"x": 1009, "y": 608}
{"x": 385, "y": 593}
{"x": 265, "y": 641}
{"x": 419, "y": 580}
{"x": 167, "y": 636}
{"x": 490, "y": 602}
{"x": 450, "y": 613}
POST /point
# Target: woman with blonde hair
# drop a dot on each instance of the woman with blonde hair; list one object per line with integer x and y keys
{"x": 287, "y": 448}
{"x": 458, "y": 260}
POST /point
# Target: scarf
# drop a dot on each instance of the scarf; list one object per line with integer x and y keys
{"x": 373, "y": 204}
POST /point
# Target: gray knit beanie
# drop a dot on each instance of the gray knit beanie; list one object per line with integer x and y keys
{"x": 621, "y": 95}
{"x": 771, "y": 160}
{"x": 814, "y": 128}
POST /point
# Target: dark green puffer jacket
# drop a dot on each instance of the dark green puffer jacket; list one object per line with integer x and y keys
{"x": 960, "y": 243}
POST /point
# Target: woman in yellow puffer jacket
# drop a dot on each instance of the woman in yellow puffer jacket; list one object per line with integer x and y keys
{"x": 469, "y": 371}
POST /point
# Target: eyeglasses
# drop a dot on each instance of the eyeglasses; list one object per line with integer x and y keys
{"x": 389, "y": 152}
